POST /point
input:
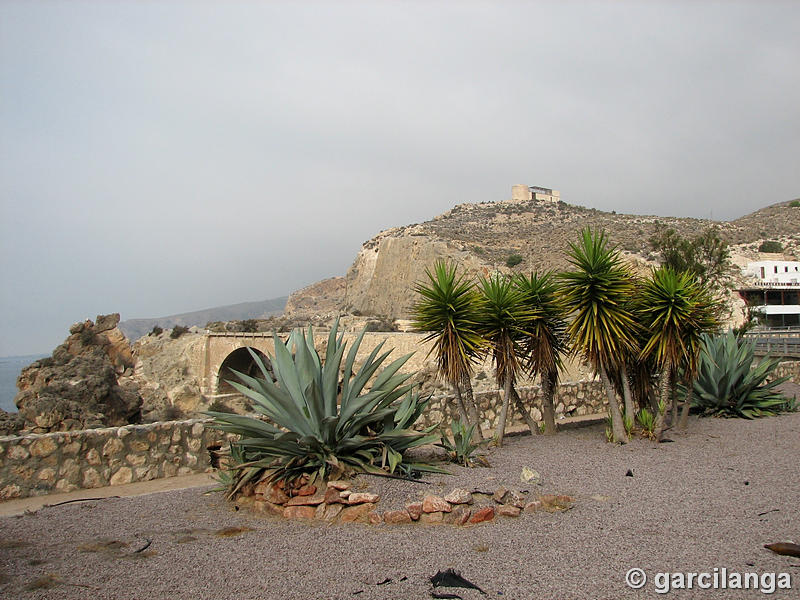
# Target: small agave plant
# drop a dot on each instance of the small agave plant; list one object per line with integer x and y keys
{"x": 462, "y": 449}
{"x": 728, "y": 385}
{"x": 320, "y": 422}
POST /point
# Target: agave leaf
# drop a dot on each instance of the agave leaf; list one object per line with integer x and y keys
{"x": 330, "y": 372}
{"x": 368, "y": 369}
{"x": 395, "y": 458}
{"x": 281, "y": 408}
{"x": 287, "y": 374}
{"x": 348, "y": 366}
{"x": 382, "y": 380}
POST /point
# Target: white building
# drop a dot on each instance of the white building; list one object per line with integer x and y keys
{"x": 774, "y": 291}
{"x": 774, "y": 271}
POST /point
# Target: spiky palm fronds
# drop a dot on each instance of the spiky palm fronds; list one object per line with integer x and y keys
{"x": 545, "y": 342}
{"x": 504, "y": 319}
{"x": 676, "y": 310}
{"x": 597, "y": 295}
{"x": 447, "y": 309}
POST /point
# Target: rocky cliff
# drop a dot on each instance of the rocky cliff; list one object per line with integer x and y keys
{"x": 481, "y": 237}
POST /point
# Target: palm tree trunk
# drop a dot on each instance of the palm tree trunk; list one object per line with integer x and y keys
{"x": 674, "y": 421}
{"x": 687, "y": 405}
{"x": 472, "y": 409}
{"x": 617, "y": 426}
{"x": 661, "y": 420}
{"x": 549, "y": 379}
{"x": 523, "y": 410}
{"x": 501, "y": 424}
{"x": 630, "y": 411}
{"x": 460, "y": 404}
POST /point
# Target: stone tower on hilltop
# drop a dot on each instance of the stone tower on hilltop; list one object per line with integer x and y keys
{"x": 523, "y": 193}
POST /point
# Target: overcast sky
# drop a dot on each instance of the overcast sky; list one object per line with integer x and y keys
{"x": 162, "y": 157}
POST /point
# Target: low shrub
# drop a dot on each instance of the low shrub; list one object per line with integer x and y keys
{"x": 795, "y": 203}
{"x": 178, "y": 331}
{"x": 770, "y": 246}
{"x": 156, "y": 331}
{"x": 381, "y": 324}
{"x": 248, "y": 326}
{"x": 513, "y": 260}
{"x": 647, "y": 423}
{"x": 172, "y": 413}
{"x": 220, "y": 407}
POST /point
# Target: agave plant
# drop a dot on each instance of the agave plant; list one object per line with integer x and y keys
{"x": 647, "y": 423}
{"x": 462, "y": 448}
{"x": 728, "y": 385}
{"x": 319, "y": 423}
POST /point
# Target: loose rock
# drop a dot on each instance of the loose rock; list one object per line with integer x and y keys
{"x": 459, "y": 496}
{"x": 431, "y": 504}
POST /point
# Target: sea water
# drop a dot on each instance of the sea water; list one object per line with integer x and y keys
{"x": 10, "y": 367}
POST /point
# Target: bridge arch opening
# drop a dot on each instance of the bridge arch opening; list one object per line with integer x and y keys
{"x": 240, "y": 360}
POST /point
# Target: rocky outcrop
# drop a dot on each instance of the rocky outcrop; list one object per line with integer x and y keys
{"x": 166, "y": 376}
{"x": 85, "y": 383}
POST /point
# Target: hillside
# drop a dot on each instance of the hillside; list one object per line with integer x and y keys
{"x": 480, "y": 237}
{"x": 136, "y": 328}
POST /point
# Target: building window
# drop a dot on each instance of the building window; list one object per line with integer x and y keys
{"x": 776, "y": 268}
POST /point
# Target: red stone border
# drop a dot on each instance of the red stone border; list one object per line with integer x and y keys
{"x": 335, "y": 502}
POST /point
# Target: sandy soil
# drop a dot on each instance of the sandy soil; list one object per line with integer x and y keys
{"x": 712, "y": 498}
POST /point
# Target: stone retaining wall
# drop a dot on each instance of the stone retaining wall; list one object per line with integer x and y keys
{"x": 572, "y": 399}
{"x": 39, "y": 464}
{"x": 790, "y": 368}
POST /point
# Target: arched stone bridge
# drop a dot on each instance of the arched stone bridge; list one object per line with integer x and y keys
{"x": 222, "y": 352}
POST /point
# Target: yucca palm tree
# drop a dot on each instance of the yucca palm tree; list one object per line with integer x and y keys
{"x": 447, "y": 309}
{"x": 602, "y": 326}
{"x": 677, "y": 310}
{"x": 546, "y": 342}
{"x": 503, "y": 322}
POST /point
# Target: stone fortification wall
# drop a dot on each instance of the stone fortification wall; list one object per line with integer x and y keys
{"x": 39, "y": 464}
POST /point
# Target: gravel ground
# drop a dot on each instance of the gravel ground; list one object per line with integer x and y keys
{"x": 712, "y": 498}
